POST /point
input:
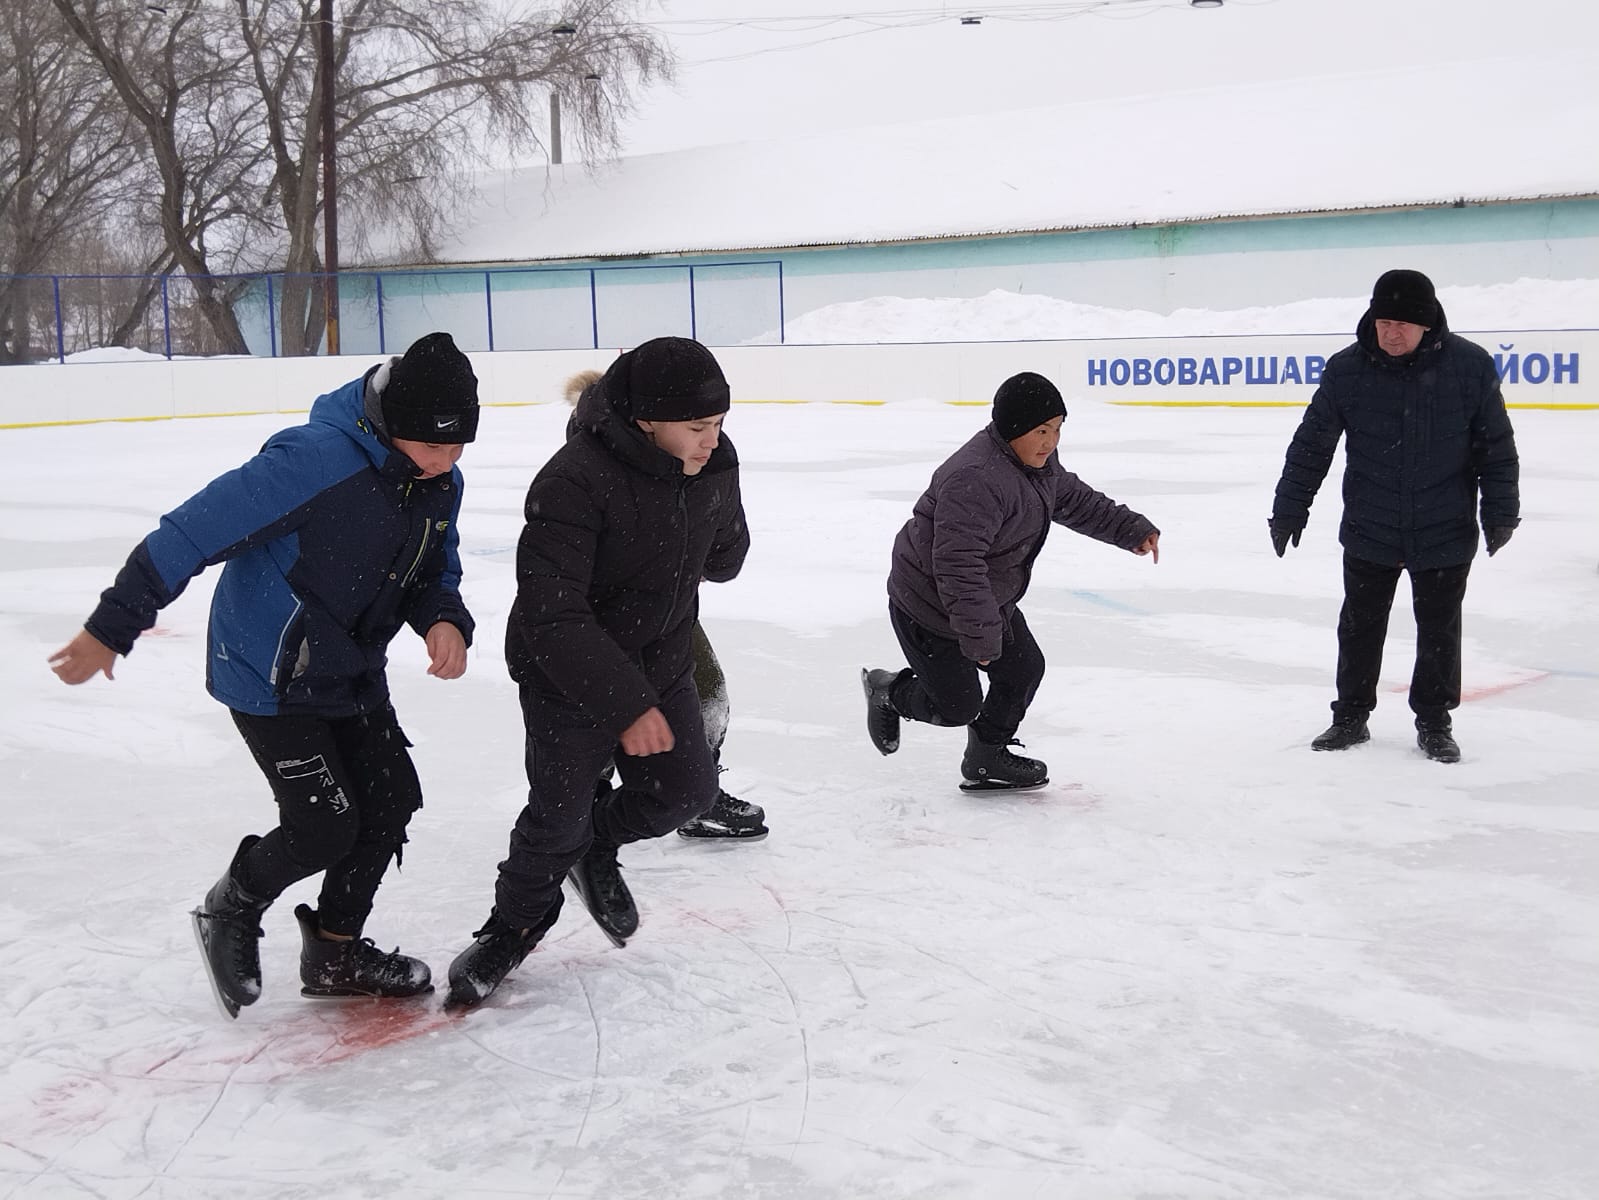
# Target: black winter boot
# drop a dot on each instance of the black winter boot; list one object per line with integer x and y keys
{"x": 882, "y": 718}
{"x": 1343, "y": 733}
{"x": 991, "y": 768}
{"x": 1437, "y": 742}
{"x": 597, "y": 877}
{"x": 498, "y": 950}
{"x": 728, "y": 817}
{"x": 227, "y": 928}
{"x": 355, "y": 967}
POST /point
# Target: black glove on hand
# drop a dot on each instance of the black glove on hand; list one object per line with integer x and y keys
{"x": 1496, "y": 537}
{"x": 1282, "y": 533}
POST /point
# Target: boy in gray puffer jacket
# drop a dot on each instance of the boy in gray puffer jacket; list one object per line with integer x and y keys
{"x": 961, "y": 565}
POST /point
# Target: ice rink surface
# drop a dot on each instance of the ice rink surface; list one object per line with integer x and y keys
{"x": 1205, "y": 963}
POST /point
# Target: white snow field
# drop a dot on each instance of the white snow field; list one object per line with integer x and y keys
{"x": 1205, "y": 963}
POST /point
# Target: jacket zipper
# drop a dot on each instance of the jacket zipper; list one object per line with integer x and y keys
{"x": 677, "y": 575}
{"x": 427, "y": 529}
{"x": 283, "y": 634}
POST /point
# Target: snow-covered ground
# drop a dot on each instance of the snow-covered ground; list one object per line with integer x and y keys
{"x": 1205, "y": 963}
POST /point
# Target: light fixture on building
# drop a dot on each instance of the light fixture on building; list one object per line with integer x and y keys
{"x": 971, "y": 20}
{"x": 1204, "y": 3}
{"x": 564, "y": 29}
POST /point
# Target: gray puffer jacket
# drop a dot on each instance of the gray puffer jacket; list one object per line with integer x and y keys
{"x": 964, "y": 559}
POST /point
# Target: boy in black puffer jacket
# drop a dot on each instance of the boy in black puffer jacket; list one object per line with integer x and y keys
{"x": 728, "y": 818}
{"x": 623, "y": 522}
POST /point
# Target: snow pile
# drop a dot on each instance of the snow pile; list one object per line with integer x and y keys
{"x": 1003, "y": 316}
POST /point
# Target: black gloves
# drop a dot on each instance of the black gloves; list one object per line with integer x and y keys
{"x": 1496, "y": 537}
{"x": 1282, "y": 533}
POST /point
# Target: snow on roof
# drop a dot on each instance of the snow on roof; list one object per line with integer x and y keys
{"x": 1495, "y": 129}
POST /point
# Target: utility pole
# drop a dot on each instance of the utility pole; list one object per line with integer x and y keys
{"x": 555, "y": 128}
{"x": 330, "y": 188}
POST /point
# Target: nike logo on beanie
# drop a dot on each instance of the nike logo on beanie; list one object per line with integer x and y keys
{"x": 446, "y": 424}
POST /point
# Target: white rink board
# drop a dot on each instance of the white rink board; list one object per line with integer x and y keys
{"x": 1555, "y": 368}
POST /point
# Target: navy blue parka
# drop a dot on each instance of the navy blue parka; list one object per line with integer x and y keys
{"x": 1426, "y": 435}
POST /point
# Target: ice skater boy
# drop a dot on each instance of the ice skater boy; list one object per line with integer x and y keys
{"x": 623, "y": 522}
{"x": 336, "y": 534}
{"x": 961, "y": 566}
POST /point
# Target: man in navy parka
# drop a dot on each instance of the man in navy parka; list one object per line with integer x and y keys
{"x": 338, "y": 532}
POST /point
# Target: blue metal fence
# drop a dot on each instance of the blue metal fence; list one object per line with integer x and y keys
{"x": 495, "y": 308}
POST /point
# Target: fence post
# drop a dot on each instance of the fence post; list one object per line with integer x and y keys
{"x": 488, "y": 303}
{"x": 382, "y": 344}
{"x": 166, "y": 316}
{"x": 272, "y": 321}
{"x": 61, "y": 341}
{"x": 594, "y": 309}
{"x": 782, "y": 336}
{"x": 693, "y": 309}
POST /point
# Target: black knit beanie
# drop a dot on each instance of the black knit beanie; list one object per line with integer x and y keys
{"x": 431, "y": 393}
{"x": 1024, "y": 402}
{"x": 667, "y": 379}
{"x": 1404, "y": 296}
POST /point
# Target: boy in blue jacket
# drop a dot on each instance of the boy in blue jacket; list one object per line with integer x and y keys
{"x": 338, "y": 532}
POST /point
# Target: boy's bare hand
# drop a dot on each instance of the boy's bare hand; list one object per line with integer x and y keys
{"x": 650, "y": 734}
{"x": 81, "y": 659}
{"x": 446, "y": 651}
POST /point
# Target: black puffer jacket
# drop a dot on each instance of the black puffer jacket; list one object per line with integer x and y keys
{"x": 1426, "y": 433}
{"x": 610, "y": 561}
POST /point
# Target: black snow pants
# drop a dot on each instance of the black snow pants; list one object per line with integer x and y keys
{"x": 1436, "y": 597}
{"x": 564, "y": 756}
{"x": 346, "y": 789}
{"x": 945, "y": 687}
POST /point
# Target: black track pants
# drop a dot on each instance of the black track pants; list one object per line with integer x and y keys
{"x": 565, "y": 753}
{"x": 946, "y": 688}
{"x": 346, "y": 789}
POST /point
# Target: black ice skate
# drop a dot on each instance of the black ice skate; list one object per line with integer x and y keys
{"x": 728, "y": 817}
{"x": 227, "y": 928}
{"x": 1343, "y": 733}
{"x": 355, "y": 967}
{"x": 598, "y": 881}
{"x": 1437, "y": 743}
{"x": 993, "y": 768}
{"x": 498, "y": 950}
{"x": 882, "y": 718}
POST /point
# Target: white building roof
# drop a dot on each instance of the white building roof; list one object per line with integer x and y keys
{"x": 1496, "y": 129}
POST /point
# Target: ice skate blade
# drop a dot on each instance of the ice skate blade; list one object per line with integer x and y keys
{"x": 357, "y": 994}
{"x": 230, "y": 1010}
{"x": 985, "y": 785}
{"x": 701, "y": 834}
{"x": 577, "y": 890}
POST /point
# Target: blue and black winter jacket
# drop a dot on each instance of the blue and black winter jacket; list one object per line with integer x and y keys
{"x": 331, "y": 543}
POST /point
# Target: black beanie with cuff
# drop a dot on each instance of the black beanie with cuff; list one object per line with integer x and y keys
{"x": 667, "y": 379}
{"x": 431, "y": 394}
{"x": 1024, "y": 402}
{"x": 1402, "y": 295}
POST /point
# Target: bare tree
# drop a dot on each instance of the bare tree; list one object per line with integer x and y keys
{"x": 227, "y": 96}
{"x": 177, "y": 71}
{"x": 424, "y": 89}
{"x": 65, "y": 157}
